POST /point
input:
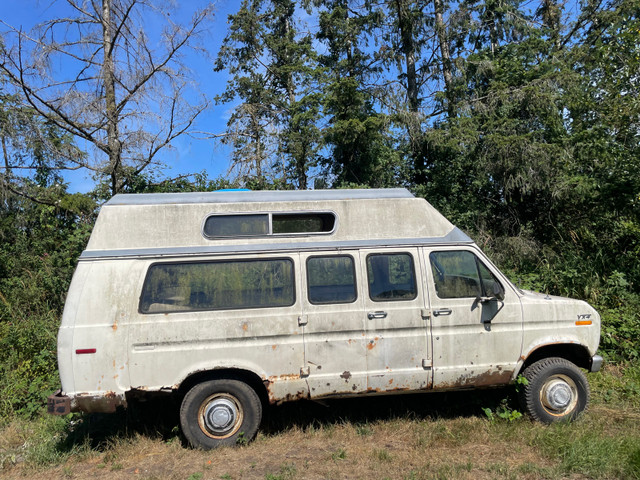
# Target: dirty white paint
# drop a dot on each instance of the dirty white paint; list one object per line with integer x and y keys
{"x": 303, "y": 350}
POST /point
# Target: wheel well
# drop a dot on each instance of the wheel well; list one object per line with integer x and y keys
{"x": 245, "y": 376}
{"x": 576, "y": 354}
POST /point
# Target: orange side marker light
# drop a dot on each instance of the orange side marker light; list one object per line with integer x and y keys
{"x": 584, "y": 322}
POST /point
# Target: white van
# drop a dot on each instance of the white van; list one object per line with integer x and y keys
{"x": 232, "y": 299}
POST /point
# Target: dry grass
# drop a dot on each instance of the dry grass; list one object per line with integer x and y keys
{"x": 438, "y": 436}
{"x": 463, "y": 448}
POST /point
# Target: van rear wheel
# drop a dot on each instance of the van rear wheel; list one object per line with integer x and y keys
{"x": 220, "y": 412}
{"x": 557, "y": 390}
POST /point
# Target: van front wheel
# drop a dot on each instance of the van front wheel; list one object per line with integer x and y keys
{"x": 557, "y": 390}
{"x": 220, "y": 412}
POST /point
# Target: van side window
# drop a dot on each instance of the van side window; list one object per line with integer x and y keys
{"x": 265, "y": 224}
{"x": 331, "y": 279}
{"x": 303, "y": 222}
{"x": 236, "y": 225}
{"x": 391, "y": 277}
{"x": 460, "y": 274}
{"x": 181, "y": 287}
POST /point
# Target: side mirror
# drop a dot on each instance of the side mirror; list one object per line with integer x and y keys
{"x": 498, "y": 294}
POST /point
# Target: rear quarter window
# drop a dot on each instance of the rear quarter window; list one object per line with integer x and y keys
{"x": 218, "y": 285}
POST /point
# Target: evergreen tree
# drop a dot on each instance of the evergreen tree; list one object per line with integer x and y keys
{"x": 360, "y": 149}
{"x": 603, "y": 118}
{"x": 406, "y": 32}
{"x": 272, "y": 70}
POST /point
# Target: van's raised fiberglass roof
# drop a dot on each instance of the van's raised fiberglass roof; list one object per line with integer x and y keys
{"x": 161, "y": 224}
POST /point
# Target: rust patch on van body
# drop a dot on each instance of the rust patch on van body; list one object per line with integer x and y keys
{"x": 106, "y": 402}
{"x": 490, "y": 378}
{"x": 289, "y": 397}
{"x": 286, "y": 376}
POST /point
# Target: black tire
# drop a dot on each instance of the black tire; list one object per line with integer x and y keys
{"x": 220, "y": 412}
{"x": 557, "y": 390}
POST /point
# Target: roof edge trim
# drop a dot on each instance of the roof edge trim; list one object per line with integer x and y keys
{"x": 122, "y": 199}
{"x": 452, "y": 238}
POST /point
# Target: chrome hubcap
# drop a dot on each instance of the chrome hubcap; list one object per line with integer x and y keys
{"x": 559, "y": 394}
{"x": 220, "y": 416}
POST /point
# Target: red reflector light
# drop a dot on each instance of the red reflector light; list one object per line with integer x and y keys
{"x": 84, "y": 351}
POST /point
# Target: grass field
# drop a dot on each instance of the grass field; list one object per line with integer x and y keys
{"x": 458, "y": 435}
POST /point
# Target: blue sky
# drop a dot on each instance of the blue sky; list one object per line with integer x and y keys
{"x": 188, "y": 155}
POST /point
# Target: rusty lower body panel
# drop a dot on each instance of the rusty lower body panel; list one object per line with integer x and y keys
{"x": 60, "y": 404}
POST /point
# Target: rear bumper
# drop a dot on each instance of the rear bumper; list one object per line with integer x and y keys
{"x": 58, "y": 404}
{"x": 107, "y": 402}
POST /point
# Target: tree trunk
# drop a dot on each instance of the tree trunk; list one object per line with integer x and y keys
{"x": 7, "y": 172}
{"x": 299, "y": 157}
{"x": 446, "y": 56}
{"x": 408, "y": 47}
{"x": 409, "y": 51}
{"x": 108, "y": 78}
{"x": 5, "y": 156}
{"x": 551, "y": 14}
{"x": 493, "y": 33}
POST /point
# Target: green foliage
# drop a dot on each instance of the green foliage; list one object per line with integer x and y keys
{"x": 272, "y": 70}
{"x": 340, "y": 454}
{"x": 521, "y": 381}
{"x": 504, "y": 411}
{"x": 364, "y": 430}
{"x": 242, "y": 440}
{"x": 617, "y": 387}
{"x": 39, "y": 248}
{"x": 541, "y": 165}
{"x": 357, "y": 136}
{"x": 148, "y": 183}
{"x": 287, "y": 472}
{"x": 382, "y": 455}
{"x": 590, "y": 452}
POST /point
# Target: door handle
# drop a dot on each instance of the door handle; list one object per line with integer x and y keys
{"x": 442, "y": 311}
{"x": 372, "y": 315}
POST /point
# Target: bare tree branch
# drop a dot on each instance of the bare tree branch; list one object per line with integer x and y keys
{"x": 118, "y": 92}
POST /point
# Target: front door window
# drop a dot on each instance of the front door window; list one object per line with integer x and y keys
{"x": 459, "y": 274}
